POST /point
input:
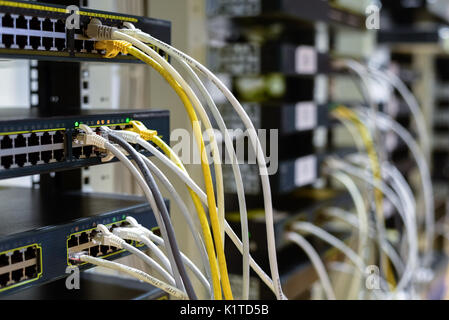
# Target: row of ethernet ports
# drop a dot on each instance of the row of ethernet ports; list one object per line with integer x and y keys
{"x": 84, "y": 242}
{"x": 33, "y": 23}
{"x": 21, "y": 265}
{"x": 45, "y": 43}
{"x": 32, "y": 159}
{"x": 31, "y": 140}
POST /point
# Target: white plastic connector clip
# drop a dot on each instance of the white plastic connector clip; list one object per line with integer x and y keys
{"x": 135, "y": 234}
{"x": 90, "y": 137}
{"x": 133, "y": 222}
{"x": 107, "y": 238}
{"x": 129, "y": 136}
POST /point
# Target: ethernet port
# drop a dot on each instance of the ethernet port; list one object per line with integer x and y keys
{"x": 89, "y": 45}
{"x": 46, "y": 156}
{"x": 59, "y": 155}
{"x": 20, "y": 141}
{"x": 6, "y": 143}
{"x": 17, "y": 275}
{"x": 47, "y": 25}
{"x": 34, "y": 158}
{"x": 7, "y": 21}
{"x": 35, "y": 24}
{"x": 47, "y": 43}
{"x": 30, "y": 253}
{"x": 7, "y": 40}
{"x": 104, "y": 250}
{"x": 58, "y": 137}
{"x": 21, "y": 41}
{"x": 7, "y": 161}
{"x": 60, "y": 26}
{"x": 46, "y": 139}
{"x": 84, "y": 238}
{"x": 17, "y": 257}
{"x": 94, "y": 251}
{"x": 87, "y": 151}
{"x": 35, "y": 42}
{"x": 60, "y": 44}
{"x": 21, "y": 159}
{"x": 72, "y": 242}
{"x": 33, "y": 140}
{"x": 4, "y": 260}
{"x": 31, "y": 272}
{"x": 21, "y": 23}
{"x": 4, "y": 279}
{"x": 79, "y": 45}
{"x": 76, "y": 152}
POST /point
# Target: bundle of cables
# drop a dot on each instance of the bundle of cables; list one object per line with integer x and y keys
{"x": 373, "y": 182}
{"x": 210, "y": 240}
{"x": 399, "y": 261}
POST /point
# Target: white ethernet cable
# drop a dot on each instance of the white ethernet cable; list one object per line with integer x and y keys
{"x": 410, "y": 100}
{"x": 390, "y": 194}
{"x": 316, "y": 262}
{"x": 384, "y": 122}
{"x": 133, "y": 235}
{"x": 203, "y": 197}
{"x": 141, "y": 234}
{"x": 98, "y": 31}
{"x": 234, "y": 163}
{"x": 398, "y": 182}
{"x": 133, "y": 138}
{"x": 236, "y": 171}
{"x": 139, "y": 274}
{"x": 362, "y": 214}
{"x": 136, "y": 139}
{"x": 196, "y": 235}
{"x": 352, "y": 220}
{"x": 105, "y": 237}
{"x": 333, "y": 241}
{"x": 91, "y": 138}
{"x": 255, "y": 142}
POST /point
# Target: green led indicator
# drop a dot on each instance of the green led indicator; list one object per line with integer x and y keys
{"x": 77, "y": 124}
{"x": 123, "y": 217}
{"x": 128, "y": 120}
{"x": 249, "y": 235}
{"x": 114, "y": 219}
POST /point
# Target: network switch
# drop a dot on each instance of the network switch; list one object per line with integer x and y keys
{"x": 30, "y": 144}
{"x": 38, "y": 234}
{"x": 39, "y": 31}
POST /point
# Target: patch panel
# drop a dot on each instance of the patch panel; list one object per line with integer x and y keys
{"x": 30, "y": 144}
{"x": 20, "y": 266}
{"x": 32, "y": 221}
{"x": 39, "y": 31}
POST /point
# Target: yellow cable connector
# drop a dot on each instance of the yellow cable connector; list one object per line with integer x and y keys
{"x": 113, "y": 47}
{"x": 140, "y": 128}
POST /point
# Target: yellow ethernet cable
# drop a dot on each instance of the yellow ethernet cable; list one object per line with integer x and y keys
{"x": 342, "y": 112}
{"x": 146, "y": 134}
{"x": 127, "y": 48}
